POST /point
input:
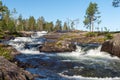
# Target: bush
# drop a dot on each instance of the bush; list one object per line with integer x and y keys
{"x": 59, "y": 43}
{"x": 5, "y": 52}
{"x": 1, "y": 35}
{"x": 108, "y": 36}
{"x": 91, "y": 34}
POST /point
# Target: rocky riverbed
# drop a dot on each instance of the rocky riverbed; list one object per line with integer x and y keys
{"x": 62, "y": 56}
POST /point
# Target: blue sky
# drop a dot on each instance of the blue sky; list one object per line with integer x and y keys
{"x": 63, "y": 10}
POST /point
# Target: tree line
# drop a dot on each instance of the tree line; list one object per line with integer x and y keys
{"x": 9, "y": 23}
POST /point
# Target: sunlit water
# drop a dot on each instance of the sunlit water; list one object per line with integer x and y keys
{"x": 86, "y": 63}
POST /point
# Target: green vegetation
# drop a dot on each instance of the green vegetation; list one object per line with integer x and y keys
{"x": 12, "y": 24}
{"x": 59, "y": 43}
{"x": 68, "y": 36}
{"x": 92, "y": 15}
{"x": 5, "y": 52}
{"x": 1, "y": 35}
{"x": 116, "y": 3}
{"x": 91, "y": 34}
{"x": 108, "y": 36}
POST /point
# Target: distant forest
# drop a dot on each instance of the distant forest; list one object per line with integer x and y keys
{"x": 9, "y": 23}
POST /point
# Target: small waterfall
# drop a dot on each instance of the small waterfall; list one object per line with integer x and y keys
{"x": 29, "y": 45}
{"x": 39, "y": 34}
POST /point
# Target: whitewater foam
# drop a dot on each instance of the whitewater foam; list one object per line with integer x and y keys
{"x": 88, "y": 78}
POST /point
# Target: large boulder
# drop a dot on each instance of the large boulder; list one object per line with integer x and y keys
{"x": 10, "y": 71}
{"x": 112, "y": 46}
{"x": 59, "y": 46}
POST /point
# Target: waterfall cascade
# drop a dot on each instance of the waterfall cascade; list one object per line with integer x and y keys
{"x": 86, "y": 63}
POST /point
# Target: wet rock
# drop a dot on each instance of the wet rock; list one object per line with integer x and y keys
{"x": 112, "y": 46}
{"x": 86, "y": 47}
{"x": 59, "y": 46}
{"x": 8, "y": 37}
{"x": 10, "y": 71}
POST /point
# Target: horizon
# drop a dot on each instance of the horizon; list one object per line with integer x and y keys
{"x": 63, "y": 10}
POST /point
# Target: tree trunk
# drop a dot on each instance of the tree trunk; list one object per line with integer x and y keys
{"x": 92, "y": 24}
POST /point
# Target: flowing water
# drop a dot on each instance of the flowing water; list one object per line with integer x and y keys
{"x": 86, "y": 63}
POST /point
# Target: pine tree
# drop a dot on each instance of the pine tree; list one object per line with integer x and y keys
{"x": 58, "y": 25}
{"x": 65, "y": 27}
{"x": 91, "y": 16}
{"x": 40, "y": 23}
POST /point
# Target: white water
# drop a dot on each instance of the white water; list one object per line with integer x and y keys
{"x": 90, "y": 78}
{"x": 92, "y": 55}
{"x": 39, "y": 34}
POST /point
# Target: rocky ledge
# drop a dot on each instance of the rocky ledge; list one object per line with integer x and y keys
{"x": 112, "y": 46}
{"x": 10, "y": 71}
{"x": 59, "y": 46}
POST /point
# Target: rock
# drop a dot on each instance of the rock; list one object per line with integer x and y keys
{"x": 59, "y": 46}
{"x": 8, "y": 37}
{"x": 10, "y": 71}
{"x": 13, "y": 53}
{"x": 112, "y": 46}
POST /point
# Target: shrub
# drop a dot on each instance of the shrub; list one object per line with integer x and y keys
{"x": 5, "y": 52}
{"x": 108, "y": 36}
{"x": 100, "y": 40}
{"x": 91, "y": 34}
{"x": 59, "y": 43}
{"x": 1, "y": 35}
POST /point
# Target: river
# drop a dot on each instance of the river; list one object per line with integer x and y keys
{"x": 86, "y": 63}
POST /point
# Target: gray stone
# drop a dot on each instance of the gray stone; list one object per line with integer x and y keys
{"x": 10, "y": 71}
{"x": 112, "y": 46}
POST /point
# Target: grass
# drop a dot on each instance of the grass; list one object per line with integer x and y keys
{"x": 6, "y": 53}
{"x": 1, "y": 35}
{"x": 91, "y": 34}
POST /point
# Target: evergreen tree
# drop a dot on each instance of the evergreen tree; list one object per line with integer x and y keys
{"x": 32, "y": 23}
{"x": 20, "y": 24}
{"x": 3, "y": 10}
{"x": 49, "y": 26}
{"x": 58, "y": 25}
{"x": 40, "y": 23}
{"x": 26, "y": 24}
{"x": 11, "y": 26}
{"x": 91, "y": 16}
{"x": 116, "y": 3}
{"x": 65, "y": 27}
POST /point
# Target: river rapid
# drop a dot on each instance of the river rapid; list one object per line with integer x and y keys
{"x": 86, "y": 63}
